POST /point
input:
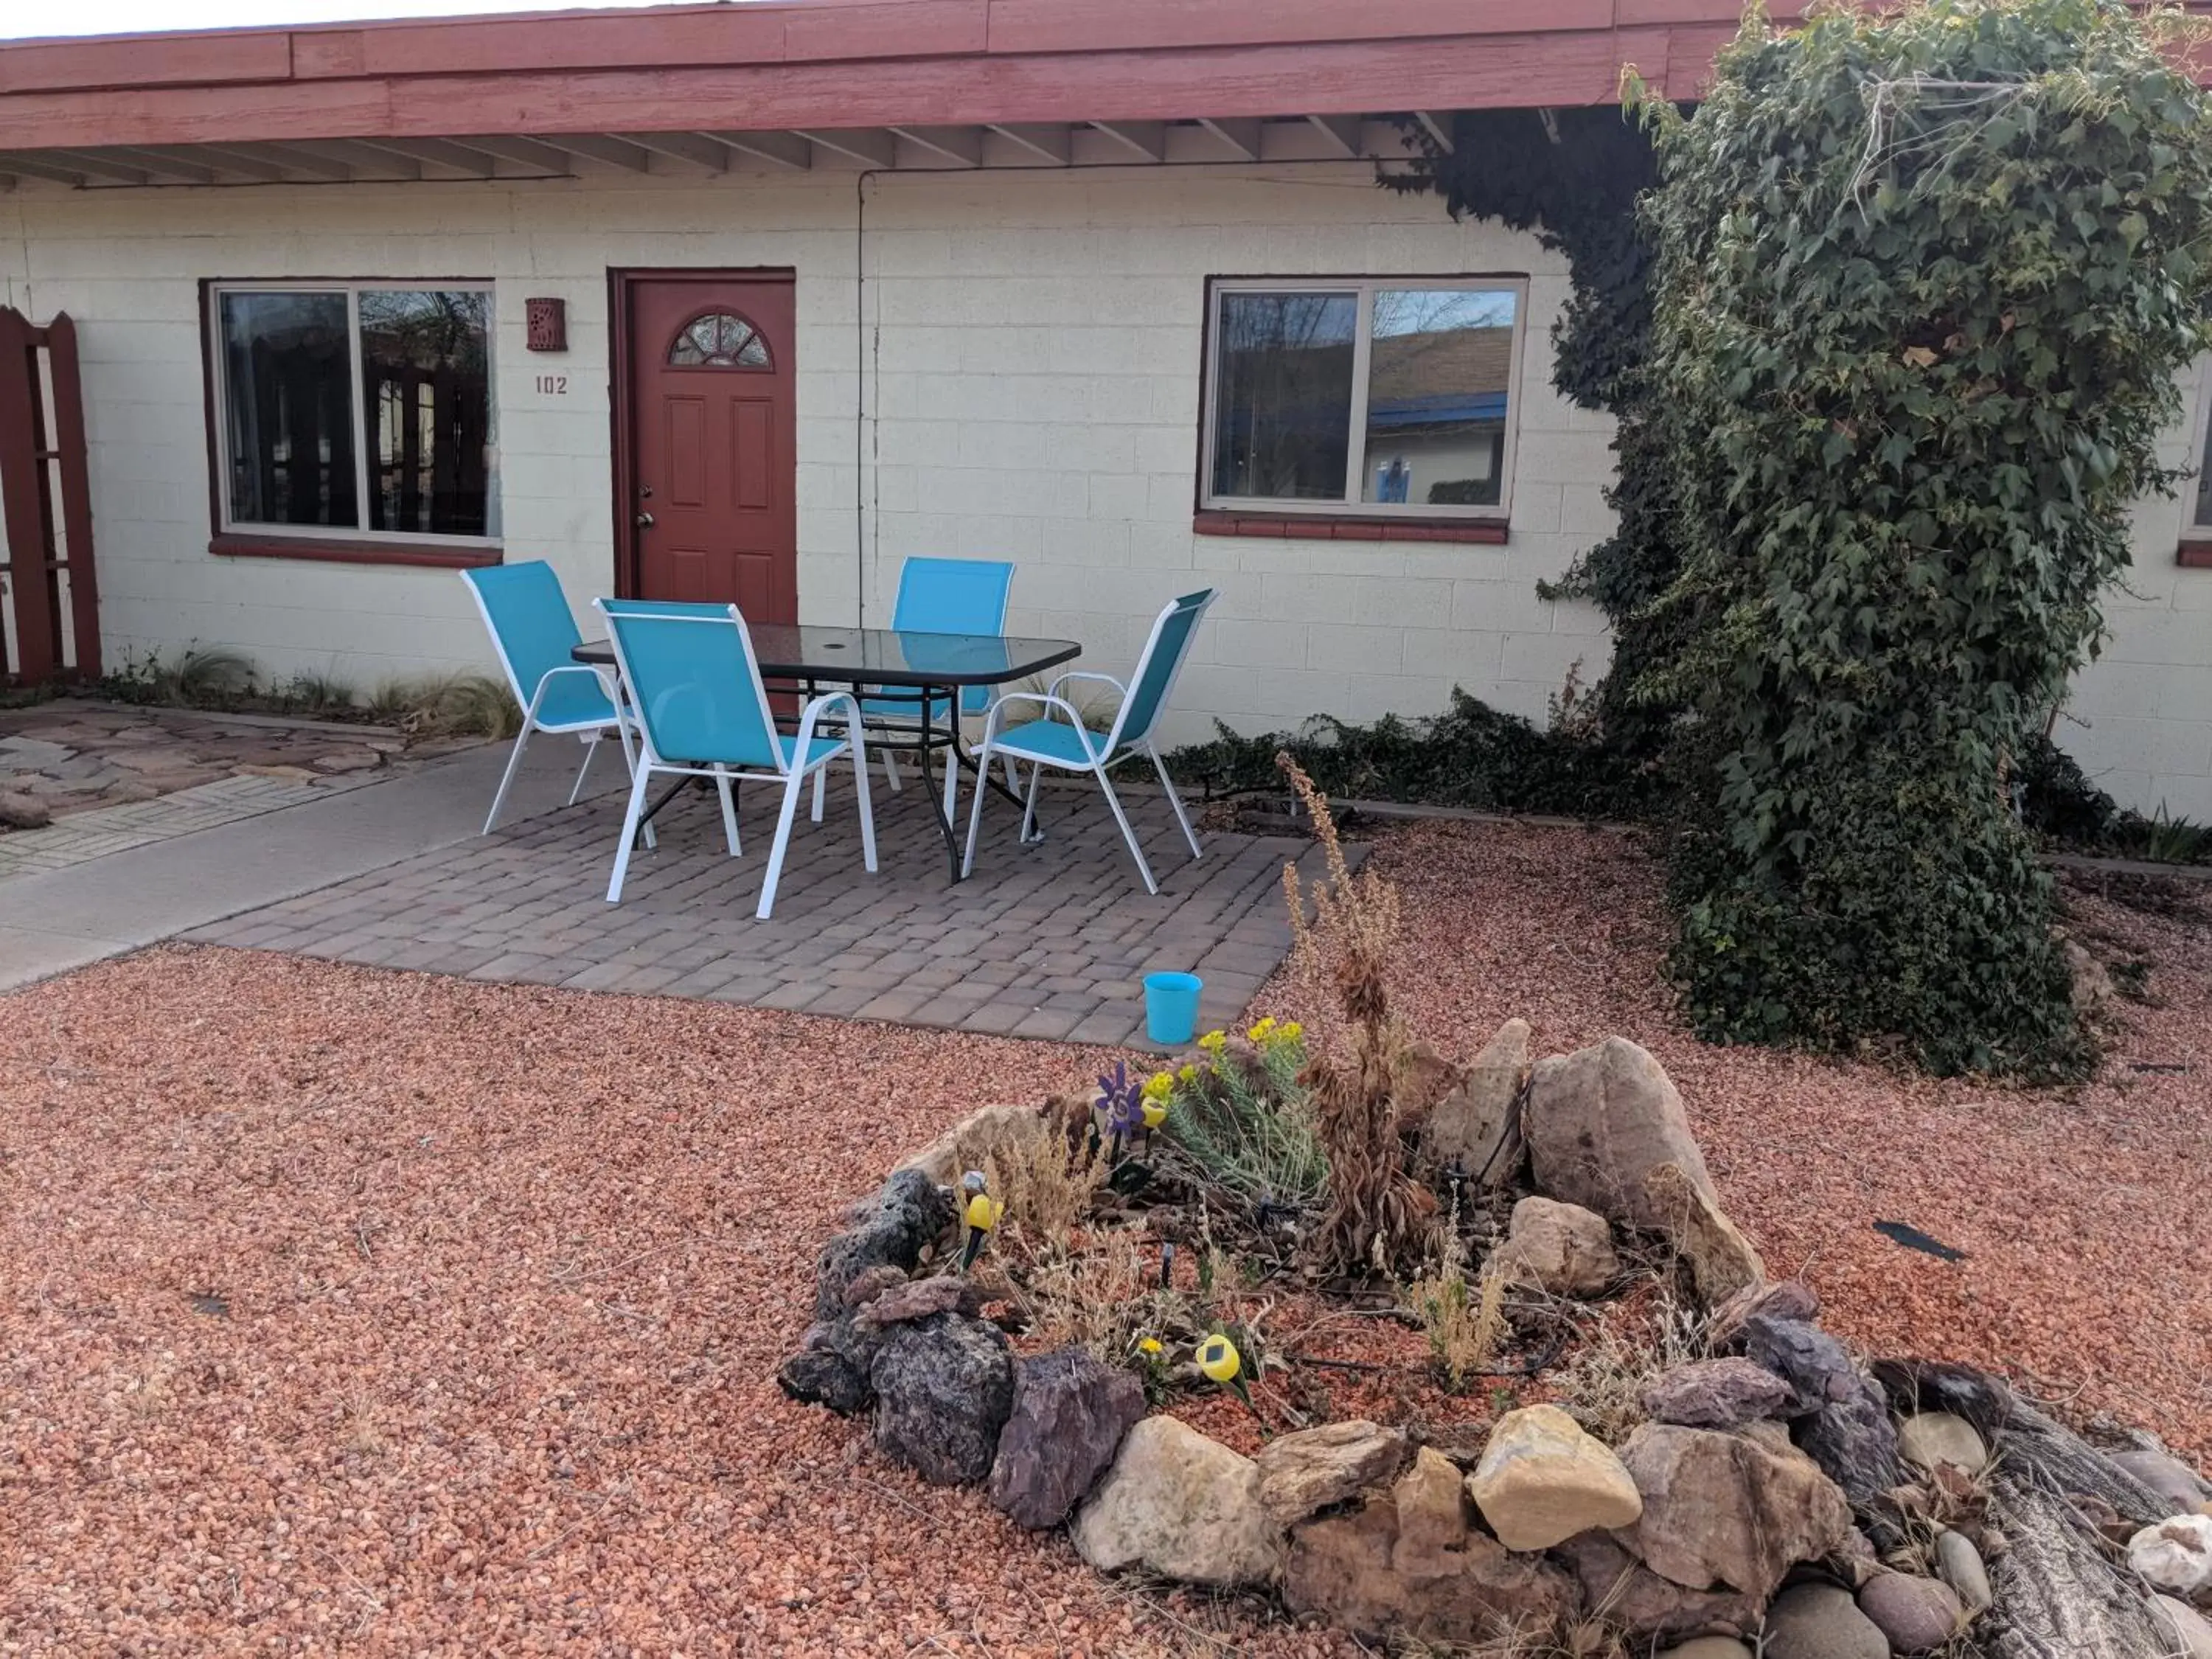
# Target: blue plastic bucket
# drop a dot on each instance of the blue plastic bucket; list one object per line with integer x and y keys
{"x": 1171, "y": 1007}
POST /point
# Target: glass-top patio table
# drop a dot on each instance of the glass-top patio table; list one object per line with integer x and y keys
{"x": 922, "y": 672}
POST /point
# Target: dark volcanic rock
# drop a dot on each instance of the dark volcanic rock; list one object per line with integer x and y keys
{"x": 823, "y": 1377}
{"x": 909, "y": 1212}
{"x": 1070, "y": 1412}
{"x": 944, "y": 1387}
{"x": 1843, "y": 1418}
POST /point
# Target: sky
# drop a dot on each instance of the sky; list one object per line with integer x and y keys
{"x": 33, "y": 19}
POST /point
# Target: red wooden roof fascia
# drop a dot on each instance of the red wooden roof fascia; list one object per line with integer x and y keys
{"x": 817, "y": 63}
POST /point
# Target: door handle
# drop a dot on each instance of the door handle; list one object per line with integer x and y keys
{"x": 645, "y": 521}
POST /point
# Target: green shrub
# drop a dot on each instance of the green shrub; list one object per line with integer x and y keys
{"x": 1926, "y": 279}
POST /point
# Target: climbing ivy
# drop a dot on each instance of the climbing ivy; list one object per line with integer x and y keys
{"x": 1572, "y": 177}
{"x": 1924, "y": 282}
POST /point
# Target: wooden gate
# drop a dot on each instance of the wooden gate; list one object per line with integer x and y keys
{"x": 49, "y": 606}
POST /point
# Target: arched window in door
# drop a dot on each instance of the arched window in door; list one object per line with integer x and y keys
{"x": 719, "y": 339}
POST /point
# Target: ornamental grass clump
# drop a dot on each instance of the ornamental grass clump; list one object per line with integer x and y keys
{"x": 1376, "y": 1215}
{"x": 1927, "y": 277}
{"x": 1245, "y": 1121}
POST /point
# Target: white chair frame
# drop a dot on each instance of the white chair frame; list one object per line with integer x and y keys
{"x": 792, "y": 776}
{"x": 589, "y": 732}
{"x": 1103, "y": 754}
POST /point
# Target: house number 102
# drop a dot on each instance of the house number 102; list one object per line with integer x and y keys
{"x": 557, "y": 384}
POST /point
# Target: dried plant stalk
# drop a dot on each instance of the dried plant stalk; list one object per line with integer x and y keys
{"x": 1377, "y": 1215}
{"x": 1046, "y": 1188}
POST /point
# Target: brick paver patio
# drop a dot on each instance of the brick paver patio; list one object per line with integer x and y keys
{"x": 1046, "y": 941}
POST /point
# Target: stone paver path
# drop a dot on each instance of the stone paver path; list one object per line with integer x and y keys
{"x": 1046, "y": 941}
{"x": 80, "y": 779}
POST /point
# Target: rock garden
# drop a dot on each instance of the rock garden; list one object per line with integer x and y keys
{"x": 1454, "y": 1344}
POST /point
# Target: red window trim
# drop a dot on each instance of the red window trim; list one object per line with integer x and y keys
{"x": 1349, "y": 527}
{"x": 441, "y": 556}
{"x": 2194, "y": 555}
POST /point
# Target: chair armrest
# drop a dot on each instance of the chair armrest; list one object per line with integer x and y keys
{"x": 809, "y": 716}
{"x": 608, "y": 680}
{"x": 1081, "y": 674}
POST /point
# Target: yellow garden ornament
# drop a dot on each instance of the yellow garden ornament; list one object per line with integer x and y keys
{"x": 1155, "y": 1113}
{"x": 981, "y": 1212}
{"x": 1218, "y": 1360}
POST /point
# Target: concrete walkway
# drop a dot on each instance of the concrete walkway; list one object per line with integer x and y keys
{"x": 51, "y": 921}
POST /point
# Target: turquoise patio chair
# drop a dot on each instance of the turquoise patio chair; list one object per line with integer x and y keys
{"x": 941, "y": 596}
{"x": 533, "y": 630}
{"x": 695, "y": 694}
{"x": 1071, "y": 746}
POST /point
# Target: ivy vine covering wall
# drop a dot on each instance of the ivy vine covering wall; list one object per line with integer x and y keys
{"x": 1924, "y": 284}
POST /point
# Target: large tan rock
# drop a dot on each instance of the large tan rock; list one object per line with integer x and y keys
{"x": 1562, "y": 1249}
{"x": 1314, "y": 1468}
{"x": 1604, "y": 1123}
{"x": 1406, "y": 1563}
{"x": 1722, "y": 1262}
{"x": 969, "y": 1142}
{"x": 1726, "y": 1509}
{"x": 1182, "y": 1505}
{"x": 1542, "y": 1479}
{"x": 1474, "y": 1126}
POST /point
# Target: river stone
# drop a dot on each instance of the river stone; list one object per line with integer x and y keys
{"x": 2192, "y": 1632}
{"x": 944, "y": 1387}
{"x": 2175, "y": 1555}
{"x": 1843, "y": 1421}
{"x": 1928, "y": 1438}
{"x": 1561, "y": 1248}
{"x": 1313, "y": 1468}
{"x": 1186, "y": 1507}
{"x": 2165, "y": 1475}
{"x": 1819, "y": 1621}
{"x": 1474, "y": 1126}
{"x": 1070, "y": 1412}
{"x": 1916, "y": 1614}
{"x": 1715, "y": 1394}
{"x": 1708, "y": 1647}
{"x": 1642, "y": 1603}
{"x": 892, "y": 1229}
{"x": 1959, "y": 1564}
{"x": 1405, "y": 1563}
{"x": 1542, "y": 1479}
{"x": 1722, "y": 1509}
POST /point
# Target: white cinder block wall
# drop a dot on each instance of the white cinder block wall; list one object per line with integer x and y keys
{"x": 1002, "y": 364}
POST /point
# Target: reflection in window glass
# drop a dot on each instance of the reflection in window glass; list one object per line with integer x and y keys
{"x": 2200, "y": 515}
{"x": 288, "y": 409}
{"x": 1282, "y": 415}
{"x": 1440, "y": 366}
{"x": 426, "y": 398}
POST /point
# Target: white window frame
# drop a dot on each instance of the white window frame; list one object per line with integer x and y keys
{"x": 2199, "y": 423}
{"x": 218, "y": 367}
{"x": 1363, "y": 288}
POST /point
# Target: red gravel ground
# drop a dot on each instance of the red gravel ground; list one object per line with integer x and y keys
{"x": 345, "y": 1310}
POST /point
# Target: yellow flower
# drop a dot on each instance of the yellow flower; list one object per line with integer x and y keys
{"x": 1217, "y": 1359}
{"x": 1214, "y": 1041}
{"x": 1259, "y": 1033}
{"x": 1289, "y": 1030}
{"x": 1159, "y": 1086}
{"x": 1188, "y": 1074}
{"x": 1150, "y": 1345}
{"x": 1155, "y": 1111}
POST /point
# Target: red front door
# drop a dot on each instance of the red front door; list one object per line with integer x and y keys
{"x": 711, "y": 468}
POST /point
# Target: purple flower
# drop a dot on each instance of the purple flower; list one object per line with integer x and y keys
{"x": 1121, "y": 1098}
